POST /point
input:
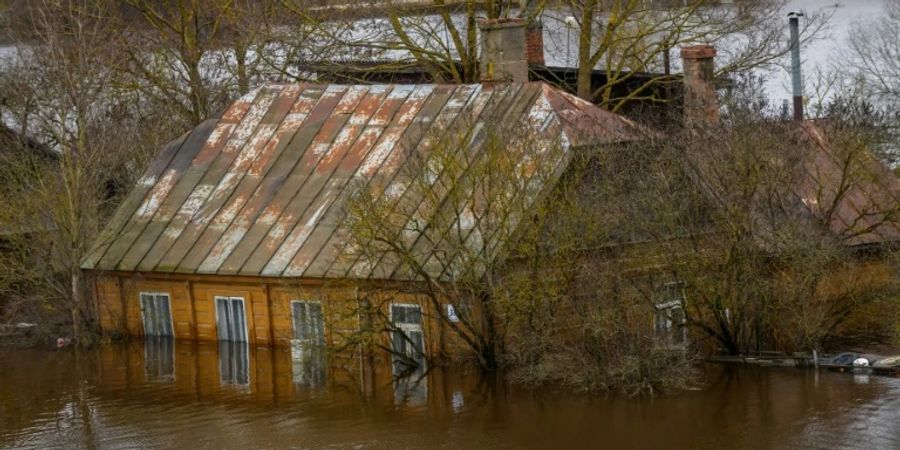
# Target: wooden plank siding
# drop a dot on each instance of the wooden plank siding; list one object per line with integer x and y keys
{"x": 267, "y": 305}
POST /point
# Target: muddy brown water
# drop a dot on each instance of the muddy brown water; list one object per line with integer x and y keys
{"x": 199, "y": 396}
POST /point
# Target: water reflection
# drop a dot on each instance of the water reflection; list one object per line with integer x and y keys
{"x": 161, "y": 394}
{"x": 234, "y": 363}
{"x": 410, "y": 383}
{"x": 159, "y": 359}
{"x": 308, "y": 364}
{"x": 237, "y": 367}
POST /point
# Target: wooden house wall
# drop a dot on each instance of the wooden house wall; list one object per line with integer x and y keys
{"x": 267, "y": 309}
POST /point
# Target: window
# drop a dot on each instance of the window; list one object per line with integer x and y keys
{"x": 308, "y": 322}
{"x": 669, "y": 322}
{"x": 231, "y": 322}
{"x": 451, "y": 313}
{"x": 308, "y": 361}
{"x": 461, "y": 311}
{"x": 408, "y": 338}
{"x": 156, "y": 314}
{"x": 408, "y": 344}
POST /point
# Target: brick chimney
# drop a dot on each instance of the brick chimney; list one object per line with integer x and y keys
{"x": 534, "y": 43}
{"x": 503, "y": 50}
{"x": 701, "y": 107}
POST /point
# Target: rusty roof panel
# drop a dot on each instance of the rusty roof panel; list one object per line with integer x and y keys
{"x": 303, "y": 182}
{"x": 314, "y": 258}
{"x": 864, "y": 196}
{"x": 132, "y": 232}
{"x": 261, "y": 191}
{"x": 134, "y": 200}
{"x": 332, "y": 258}
{"x": 240, "y": 181}
{"x": 194, "y": 211}
{"x": 258, "y": 185}
{"x": 413, "y": 139}
{"x": 444, "y": 183}
{"x": 325, "y": 180}
{"x": 286, "y": 179}
{"x": 339, "y": 181}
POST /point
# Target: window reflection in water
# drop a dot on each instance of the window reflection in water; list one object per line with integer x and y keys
{"x": 234, "y": 363}
{"x": 410, "y": 382}
{"x": 308, "y": 364}
{"x": 159, "y": 359}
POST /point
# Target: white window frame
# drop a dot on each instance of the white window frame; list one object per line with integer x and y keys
{"x": 405, "y": 327}
{"x": 154, "y": 294}
{"x": 452, "y": 315}
{"x": 243, "y": 307}
{"x": 456, "y": 312}
{"x": 679, "y": 303}
{"x": 308, "y": 302}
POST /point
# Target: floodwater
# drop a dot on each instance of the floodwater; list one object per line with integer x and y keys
{"x": 198, "y": 396}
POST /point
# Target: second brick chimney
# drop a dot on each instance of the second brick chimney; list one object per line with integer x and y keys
{"x": 701, "y": 105}
{"x": 503, "y": 50}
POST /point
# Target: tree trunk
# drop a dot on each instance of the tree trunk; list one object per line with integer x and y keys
{"x": 240, "y": 55}
{"x": 585, "y": 66}
{"x": 584, "y": 88}
{"x": 82, "y": 313}
{"x": 489, "y": 337}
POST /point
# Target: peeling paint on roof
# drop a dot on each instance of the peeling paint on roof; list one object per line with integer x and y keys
{"x": 261, "y": 190}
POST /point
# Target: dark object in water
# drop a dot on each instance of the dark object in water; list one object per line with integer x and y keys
{"x": 841, "y": 359}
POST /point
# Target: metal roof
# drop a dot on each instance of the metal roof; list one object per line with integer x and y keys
{"x": 856, "y": 194}
{"x": 261, "y": 190}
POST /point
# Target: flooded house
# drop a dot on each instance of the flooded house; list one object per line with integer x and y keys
{"x": 238, "y": 230}
{"x": 235, "y": 233}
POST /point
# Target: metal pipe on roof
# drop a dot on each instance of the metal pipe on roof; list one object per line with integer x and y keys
{"x": 796, "y": 76}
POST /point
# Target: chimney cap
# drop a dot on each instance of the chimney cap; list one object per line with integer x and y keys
{"x": 698, "y": 52}
{"x": 501, "y": 22}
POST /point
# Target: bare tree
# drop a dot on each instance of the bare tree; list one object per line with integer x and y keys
{"x": 871, "y": 80}
{"x": 761, "y": 257}
{"x": 445, "y": 219}
{"x": 175, "y": 53}
{"x": 624, "y": 38}
{"x": 874, "y": 54}
{"x": 61, "y": 91}
{"x": 439, "y": 36}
